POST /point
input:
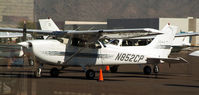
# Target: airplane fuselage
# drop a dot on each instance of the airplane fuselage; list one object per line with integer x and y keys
{"x": 55, "y": 53}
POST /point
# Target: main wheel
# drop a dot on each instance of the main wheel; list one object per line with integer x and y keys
{"x": 114, "y": 69}
{"x": 90, "y": 74}
{"x": 155, "y": 69}
{"x": 38, "y": 73}
{"x": 54, "y": 72}
{"x": 147, "y": 70}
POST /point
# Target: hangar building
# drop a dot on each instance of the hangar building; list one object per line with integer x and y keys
{"x": 14, "y": 11}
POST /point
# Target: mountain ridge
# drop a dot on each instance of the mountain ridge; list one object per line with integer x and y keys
{"x": 101, "y": 10}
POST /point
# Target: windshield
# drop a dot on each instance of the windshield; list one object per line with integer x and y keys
{"x": 114, "y": 42}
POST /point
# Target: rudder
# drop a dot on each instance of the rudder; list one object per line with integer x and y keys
{"x": 48, "y": 24}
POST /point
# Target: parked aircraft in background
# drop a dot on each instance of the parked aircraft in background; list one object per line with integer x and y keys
{"x": 8, "y": 51}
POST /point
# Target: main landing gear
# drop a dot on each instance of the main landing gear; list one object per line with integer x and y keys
{"x": 147, "y": 70}
{"x": 114, "y": 68}
{"x": 90, "y": 74}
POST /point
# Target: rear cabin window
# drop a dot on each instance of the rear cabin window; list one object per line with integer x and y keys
{"x": 136, "y": 42}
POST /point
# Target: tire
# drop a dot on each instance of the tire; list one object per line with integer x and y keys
{"x": 114, "y": 69}
{"x": 54, "y": 72}
{"x": 147, "y": 70}
{"x": 90, "y": 74}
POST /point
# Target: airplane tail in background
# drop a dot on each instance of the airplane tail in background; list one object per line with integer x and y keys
{"x": 162, "y": 43}
{"x": 48, "y": 24}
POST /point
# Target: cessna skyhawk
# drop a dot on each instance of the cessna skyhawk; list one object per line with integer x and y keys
{"x": 87, "y": 48}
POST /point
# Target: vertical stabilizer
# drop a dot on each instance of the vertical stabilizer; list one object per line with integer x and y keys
{"x": 48, "y": 24}
{"x": 162, "y": 43}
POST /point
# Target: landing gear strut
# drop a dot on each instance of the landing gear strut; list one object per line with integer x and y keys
{"x": 38, "y": 73}
{"x": 90, "y": 74}
{"x": 31, "y": 62}
{"x": 155, "y": 69}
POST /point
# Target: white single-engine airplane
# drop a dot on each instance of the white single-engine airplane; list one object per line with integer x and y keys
{"x": 87, "y": 48}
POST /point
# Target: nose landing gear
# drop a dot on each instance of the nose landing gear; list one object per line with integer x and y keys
{"x": 155, "y": 69}
{"x": 38, "y": 73}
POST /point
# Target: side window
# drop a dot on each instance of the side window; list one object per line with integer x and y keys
{"x": 136, "y": 42}
{"x": 95, "y": 45}
{"x": 128, "y": 43}
{"x": 78, "y": 42}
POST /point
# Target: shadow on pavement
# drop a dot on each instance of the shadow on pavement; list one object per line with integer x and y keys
{"x": 182, "y": 85}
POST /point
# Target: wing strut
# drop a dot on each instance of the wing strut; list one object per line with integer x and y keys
{"x": 74, "y": 55}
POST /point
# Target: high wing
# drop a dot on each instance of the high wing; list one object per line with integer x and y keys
{"x": 28, "y": 30}
{"x": 11, "y": 35}
{"x": 195, "y": 53}
{"x": 93, "y": 34}
{"x": 166, "y": 60}
{"x": 181, "y": 34}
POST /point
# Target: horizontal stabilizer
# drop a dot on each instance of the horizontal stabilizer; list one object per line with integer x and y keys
{"x": 185, "y": 34}
{"x": 195, "y": 53}
{"x": 167, "y": 60}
